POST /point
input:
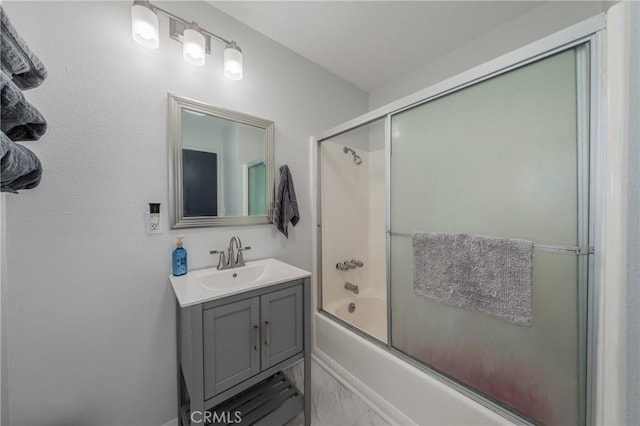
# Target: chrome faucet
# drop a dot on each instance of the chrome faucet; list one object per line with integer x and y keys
{"x": 349, "y": 264}
{"x": 352, "y": 287}
{"x": 235, "y": 258}
{"x": 231, "y": 258}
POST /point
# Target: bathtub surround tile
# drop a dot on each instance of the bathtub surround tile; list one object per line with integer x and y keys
{"x": 323, "y": 408}
{"x": 324, "y": 396}
{"x": 332, "y": 403}
{"x": 297, "y": 421}
{"x": 388, "y": 413}
{"x": 320, "y": 378}
{"x": 350, "y": 405}
{"x": 295, "y": 373}
{"x": 370, "y": 418}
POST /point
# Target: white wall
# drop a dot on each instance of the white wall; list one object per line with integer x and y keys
{"x": 202, "y": 133}
{"x": 251, "y": 146}
{"x": 251, "y": 150}
{"x": 377, "y": 209}
{"x": 633, "y": 223}
{"x": 93, "y": 334}
{"x": 545, "y": 19}
{"x": 231, "y": 204}
{"x": 4, "y": 412}
{"x": 613, "y": 377}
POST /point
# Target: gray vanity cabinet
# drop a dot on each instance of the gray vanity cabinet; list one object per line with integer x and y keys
{"x": 229, "y": 347}
{"x": 281, "y": 316}
{"x": 231, "y": 344}
{"x": 242, "y": 338}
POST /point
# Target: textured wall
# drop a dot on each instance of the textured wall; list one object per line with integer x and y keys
{"x": 91, "y": 315}
{"x": 633, "y": 223}
{"x": 541, "y": 21}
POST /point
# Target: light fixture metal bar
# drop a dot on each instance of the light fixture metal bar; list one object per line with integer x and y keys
{"x": 186, "y": 24}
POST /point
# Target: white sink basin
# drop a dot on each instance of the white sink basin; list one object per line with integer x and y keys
{"x": 229, "y": 278}
{"x": 210, "y": 284}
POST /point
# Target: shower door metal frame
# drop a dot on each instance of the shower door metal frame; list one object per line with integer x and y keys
{"x": 589, "y": 34}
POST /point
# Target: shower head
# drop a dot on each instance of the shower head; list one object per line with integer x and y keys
{"x": 356, "y": 157}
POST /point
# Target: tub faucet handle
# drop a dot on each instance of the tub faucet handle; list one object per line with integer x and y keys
{"x": 357, "y": 263}
{"x": 240, "y": 260}
{"x": 342, "y": 266}
{"x": 222, "y": 259}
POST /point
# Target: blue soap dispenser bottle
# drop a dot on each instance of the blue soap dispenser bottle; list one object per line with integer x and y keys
{"x": 179, "y": 259}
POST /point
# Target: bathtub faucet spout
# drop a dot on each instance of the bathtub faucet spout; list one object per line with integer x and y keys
{"x": 352, "y": 287}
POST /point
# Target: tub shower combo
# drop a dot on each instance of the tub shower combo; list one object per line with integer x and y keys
{"x": 415, "y": 204}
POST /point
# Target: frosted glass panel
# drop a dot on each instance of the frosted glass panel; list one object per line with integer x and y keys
{"x": 499, "y": 158}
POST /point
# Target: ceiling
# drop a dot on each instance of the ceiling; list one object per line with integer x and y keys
{"x": 371, "y": 43}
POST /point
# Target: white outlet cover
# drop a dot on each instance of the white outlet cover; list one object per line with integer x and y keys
{"x": 149, "y": 228}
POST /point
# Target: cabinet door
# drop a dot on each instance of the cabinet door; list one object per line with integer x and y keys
{"x": 231, "y": 344}
{"x": 281, "y": 316}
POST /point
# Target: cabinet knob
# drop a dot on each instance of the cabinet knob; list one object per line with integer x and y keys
{"x": 266, "y": 323}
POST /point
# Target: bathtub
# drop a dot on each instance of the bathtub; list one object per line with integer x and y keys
{"x": 407, "y": 394}
{"x": 369, "y": 314}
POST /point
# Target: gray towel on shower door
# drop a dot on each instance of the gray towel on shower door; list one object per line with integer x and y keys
{"x": 17, "y": 60}
{"x": 19, "y": 167}
{"x": 487, "y": 274}
{"x": 21, "y": 121}
{"x": 286, "y": 205}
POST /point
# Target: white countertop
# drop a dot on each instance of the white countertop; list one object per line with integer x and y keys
{"x": 200, "y": 286}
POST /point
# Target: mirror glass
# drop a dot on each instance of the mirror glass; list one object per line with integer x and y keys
{"x": 222, "y": 165}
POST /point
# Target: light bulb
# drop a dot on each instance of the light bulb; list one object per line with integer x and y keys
{"x": 193, "y": 47}
{"x": 144, "y": 26}
{"x": 233, "y": 61}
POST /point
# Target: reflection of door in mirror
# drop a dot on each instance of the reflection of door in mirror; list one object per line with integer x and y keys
{"x": 255, "y": 178}
{"x": 200, "y": 180}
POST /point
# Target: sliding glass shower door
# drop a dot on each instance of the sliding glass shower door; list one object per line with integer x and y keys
{"x": 352, "y": 170}
{"x": 505, "y": 158}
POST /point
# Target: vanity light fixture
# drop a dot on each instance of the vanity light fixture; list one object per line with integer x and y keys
{"x": 193, "y": 45}
{"x": 196, "y": 40}
{"x": 233, "y": 61}
{"x": 144, "y": 25}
